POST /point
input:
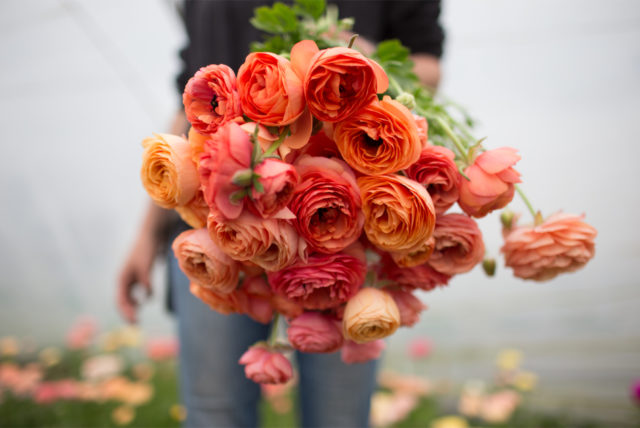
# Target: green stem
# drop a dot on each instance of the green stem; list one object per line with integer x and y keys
{"x": 274, "y": 330}
{"x": 395, "y": 86}
{"x": 461, "y": 148}
{"x": 352, "y": 40}
{"x": 526, "y": 202}
{"x": 276, "y": 144}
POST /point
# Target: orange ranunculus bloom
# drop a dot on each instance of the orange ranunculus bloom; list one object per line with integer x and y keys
{"x": 369, "y": 315}
{"x": 168, "y": 173}
{"x": 224, "y": 303}
{"x": 204, "y": 263}
{"x": 380, "y": 138}
{"x": 211, "y": 98}
{"x": 459, "y": 245}
{"x": 491, "y": 182}
{"x": 270, "y": 91}
{"x": 195, "y": 213}
{"x": 337, "y": 81}
{"x": 414, "y": 258}
{"x": 399, "y": 214}
{"x": 562, "y": 243}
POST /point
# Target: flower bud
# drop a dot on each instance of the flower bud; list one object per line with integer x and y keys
{"x": 407, "y": 100}
{"x": 506, "y": 218}
{"x": 242, "y": 177}
{"x": 489, "y": 266}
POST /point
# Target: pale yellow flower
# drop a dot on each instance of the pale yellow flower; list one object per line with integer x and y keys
{"x": 509, "y": 359}
{"x": 50, "y": 356}
{"x": 525, "y": 381}
{"x": 9, "y": 346}
{"x": 449, "y": 422}
{"x": 178, "y": 412}
{"x": 123, "y": 415}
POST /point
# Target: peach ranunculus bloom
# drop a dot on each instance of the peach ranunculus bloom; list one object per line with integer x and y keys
{"x": 399, "y": 214}
{"x": 491, "y": 182}
{"x": 315, "y": 332}
{"x": 168, "y": 173}
{"x": 227, "y": 152}
{"x": 211, "y": 98}
{"x": 327, "y": 204}
{"x": 272, "y": 244}
{"x": 416, "y": 257}
{"x": 263, "y": 365}
{"x": 369, "y": 315}
{"x": 278, "y": 180}
{"x": 324, "y": 281}
{"x": 337, "y": 81}
{"x": 409, "y": 306}
{"x": 204, "y": 263}
{"x": 422, "y": 276}
{"x": 224, "y": 303}
{"x": 459, "y": 244}
{"x": 380, "y": 138}
{"x": 437, "y": 171}
{"x": 561, "y": 243}
{"x": 195, "y": 213}
{"x": 353, "y": 352}
{"x": 270, "y": 91}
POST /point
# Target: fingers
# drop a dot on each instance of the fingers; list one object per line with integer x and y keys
{"x": 126, "y": 303}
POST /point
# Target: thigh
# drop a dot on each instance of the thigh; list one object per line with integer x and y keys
{"x": 213, "y": 386}
{"x": 335, "y": 394}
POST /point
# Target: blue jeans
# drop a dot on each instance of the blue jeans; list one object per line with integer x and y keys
{"x": 216, "y": 392}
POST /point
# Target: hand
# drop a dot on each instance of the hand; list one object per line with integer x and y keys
{"x": 136, "y": 274}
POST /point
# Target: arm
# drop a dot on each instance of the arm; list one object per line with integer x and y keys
{"x": 136, "y": 270}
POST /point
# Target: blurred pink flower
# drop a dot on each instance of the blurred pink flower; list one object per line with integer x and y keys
{"x": 262, "y": 365}
{"x": 419, "y": 347}
{"x": 499, "y": 406}
{"x": 20, "y": 382}
{"x": 64, "y": 389}
{"x": 353, "y": 352}
{"x": 82, "y": 333}
{"x": 101, "y": 366}
{"x": 162, "y": 348}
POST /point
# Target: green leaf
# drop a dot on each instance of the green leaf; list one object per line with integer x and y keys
{"x": 238, "y": 196}
{"x": 310, "y": 8}
{"x": 278, "y": 18}
{"x": 257, "y": 185}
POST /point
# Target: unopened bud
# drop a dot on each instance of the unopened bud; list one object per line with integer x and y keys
{"x": 506, "y": 218}
{"x": 243, "y": 177}
{"x": 489, "y": 266}
{"x": 407, "y": 100}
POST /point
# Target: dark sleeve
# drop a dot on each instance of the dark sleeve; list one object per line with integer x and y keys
{"x": 416, "y": 24}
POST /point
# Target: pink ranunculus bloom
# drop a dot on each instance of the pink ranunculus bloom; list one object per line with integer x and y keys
{"x": 327, "y": 204}
{"x": 227, "y": 151}
{"x": 423, "y": 130}
{"x": 437, "y": 171}
{"x": 284, "y": 248}
{"x": 561, "y": 243}
{"x": 315, "y": 332}
{"x": 422, "y": 276}
{"x": 353, "y": 352}
{"x": 263, "y": 365}
{"x": 211, "y": 98}
{"x": 409, "y": 306}
{"x": 226, "y": 304}
{"x": 459, "y": 245}
{"x": 324, "y": 281}
{"x": 278, "y": 180}
{"x": 491, "y": 182}
{"x": 82, "y": 333}
{"x": 419, "y": 348}
{"x": 162, "y": 348}
{"x": 257, "y": 304}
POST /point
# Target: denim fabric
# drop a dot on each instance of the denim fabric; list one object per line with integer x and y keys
{"x": 216, "y": 392}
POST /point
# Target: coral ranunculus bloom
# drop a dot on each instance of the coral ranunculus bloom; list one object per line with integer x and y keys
{"x": 380, "y": 138}
{"x": 315, "y": 332}
{"x": 399, "y": 214}
{"x": 211, "y": 98}
{"x": 270, "y": 91}
{"x": 337, "y": 81}
{"x": 278, "y": 180}
{"x": 326, "y": 204}
{"x": 491, "y": 182}
{"x": 562, "y": 243}
{"x": 459, "y": 246}
{"x": 263, "y": 365}
{"x": 422, "y": 276}
{"x": 168, "y": 173}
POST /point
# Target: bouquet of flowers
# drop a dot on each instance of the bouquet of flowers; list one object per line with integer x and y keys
{"x": 318, "y": 183}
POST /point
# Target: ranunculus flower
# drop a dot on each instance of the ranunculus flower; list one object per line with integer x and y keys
{"x": 353, "y": 352}
{"x": 414, "y": 258}
{"x": 491, "y": 182}
{"x": 380, "y": 138}
{"x": 224, "y": 303}
{"x": 286, "y": 307}
{"x": 211, "y": 98}
{"x": 459, "y": 245}
{"x": 326, "y": 204}
{"x": 263, "y": 365}
{"x": 195, "y": 213}
{"x": 399, "y": 214}
{"x": 408, "y": 305}
{"x": 168, "y": 174}
{"x": 423, "y": 129}
{"x": 204, "y": 263}
{"x": 278, "y": 180}
{"x": 270, "y": 243}
{"x": 270, "y": 91}
{"x": 423, "y": 276}
{"x": 562, "y": 243}
{"x": 371, "y": 314}
{"x": 337, "y": 81}
{"x": 315, "y": 332}
{"x": 419, "y": 347}
{"x": 437, "y": 171}
{"x": 257, "y": 303}
{"x": 196, "y": 142}
{"x": 82, "y": 333}
{"x": 324, "y": 281}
